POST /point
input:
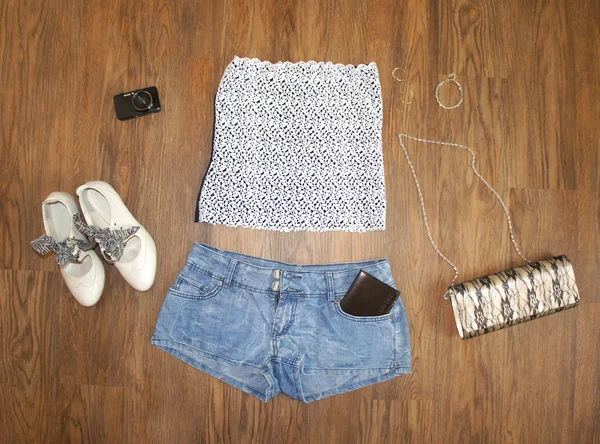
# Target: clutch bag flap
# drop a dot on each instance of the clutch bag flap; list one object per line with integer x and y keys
{"x": 512, "y": 296}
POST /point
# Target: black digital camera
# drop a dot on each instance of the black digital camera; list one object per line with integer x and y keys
{"x": 137, "y": 103}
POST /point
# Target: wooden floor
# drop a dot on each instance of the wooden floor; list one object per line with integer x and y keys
{"x": 530, "y": 71}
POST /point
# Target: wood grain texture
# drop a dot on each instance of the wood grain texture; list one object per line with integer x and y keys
{"x": 530, "y": 74}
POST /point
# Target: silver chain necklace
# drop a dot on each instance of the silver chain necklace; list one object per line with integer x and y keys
{"x": 424, "y": 213}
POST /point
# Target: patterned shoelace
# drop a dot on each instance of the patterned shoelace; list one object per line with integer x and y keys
{"x": 66, "y": 251}
{"x": 111, "y": 242}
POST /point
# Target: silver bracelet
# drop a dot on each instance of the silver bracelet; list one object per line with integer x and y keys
{"x": 451, "y": 78}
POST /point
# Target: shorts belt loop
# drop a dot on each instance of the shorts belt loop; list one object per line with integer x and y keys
{"x": 230, "y": 271}
{"x": 330, "y": 287}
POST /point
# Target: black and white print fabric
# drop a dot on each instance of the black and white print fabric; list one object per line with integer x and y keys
{"x": 297, "y": 146}
{"x": 513, "y": 296}
{"x": 66, "y": 251}
{"x": 111, "y": 241}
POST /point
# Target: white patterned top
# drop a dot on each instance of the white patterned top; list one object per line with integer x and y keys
{"x": 297, "y": 146}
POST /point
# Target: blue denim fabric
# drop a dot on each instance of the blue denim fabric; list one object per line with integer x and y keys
{"x": 268, "y": 327}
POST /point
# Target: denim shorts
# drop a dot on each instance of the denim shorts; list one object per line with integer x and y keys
{"x": 268, "y": 327}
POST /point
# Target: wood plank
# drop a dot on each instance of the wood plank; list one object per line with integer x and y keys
{"x": 30, "y": 358}
{"x": 529, "y": 71}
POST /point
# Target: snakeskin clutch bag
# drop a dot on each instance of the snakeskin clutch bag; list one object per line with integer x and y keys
{"x": 513, "y": 296}
{"x": 509, "y": 297}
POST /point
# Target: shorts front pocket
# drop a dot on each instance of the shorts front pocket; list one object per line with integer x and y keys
{"x": 342, "y": 343}
{"x": 381, "y": 318}
{"x": 196, "y": 285}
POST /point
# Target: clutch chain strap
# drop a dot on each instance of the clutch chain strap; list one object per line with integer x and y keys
{"x": 424, "y": 213}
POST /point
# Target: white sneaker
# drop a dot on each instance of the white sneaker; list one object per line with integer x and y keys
{"x": 122, "y": 240}
{"x": 79, "y": 264}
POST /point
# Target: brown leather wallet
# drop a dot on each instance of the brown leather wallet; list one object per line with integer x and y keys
{"x": 368, "y": 296}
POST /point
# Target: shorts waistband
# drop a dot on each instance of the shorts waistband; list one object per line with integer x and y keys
{"x": 322, "y": 280}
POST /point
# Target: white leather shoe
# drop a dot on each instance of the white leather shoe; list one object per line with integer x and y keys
{"x": 79, "y": 264}
{"x": 123, "y": 241}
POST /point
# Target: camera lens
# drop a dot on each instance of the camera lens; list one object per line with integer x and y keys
{"x": 142, "y": 100}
